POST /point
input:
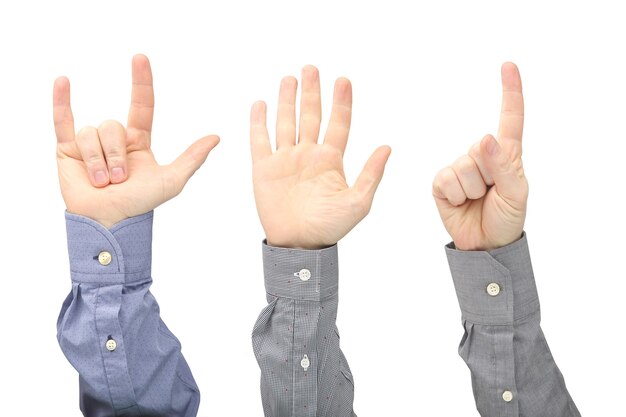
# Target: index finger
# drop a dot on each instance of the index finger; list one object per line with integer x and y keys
{"x": 512, "y": 113}
{"x": 142, "y": 96}
{"x": 61, "y": 111}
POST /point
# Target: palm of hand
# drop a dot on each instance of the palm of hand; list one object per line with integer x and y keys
{"x": 301, "y": 193}
{"x": 304, "y": 189}
{"x": 145, "y": 188}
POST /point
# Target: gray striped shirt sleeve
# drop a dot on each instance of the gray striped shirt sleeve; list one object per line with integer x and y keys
{"x": 295, "y": 339}
{"x": 513, "y": 371}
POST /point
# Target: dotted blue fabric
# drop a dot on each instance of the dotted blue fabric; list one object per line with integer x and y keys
{"x": 146, "y": 374}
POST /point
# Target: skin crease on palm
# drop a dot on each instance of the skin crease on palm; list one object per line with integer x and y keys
{"x": 482, "y": 196}
{"x": 109, "y": 173}
{"x": 301, "y": 193}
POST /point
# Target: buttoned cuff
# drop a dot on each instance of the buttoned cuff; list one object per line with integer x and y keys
{"x": 496, "y": 287}
{"x": 300, "y": 274}
{"x": 121, "y": 254}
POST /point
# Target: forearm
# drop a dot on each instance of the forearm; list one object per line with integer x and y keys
{"x": 295, "y": 339}
{"x": 110, "y": 329}
{"x": 513, "y": 371}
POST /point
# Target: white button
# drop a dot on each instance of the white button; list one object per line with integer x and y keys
{"x": 507, "y": 396}
{"x": 104, "y": 258}
{"x": 305, "y": 362}
{"x": 304, "y": 274}
{"x": 493, "y": 289}
{"x": 111, "y": 345}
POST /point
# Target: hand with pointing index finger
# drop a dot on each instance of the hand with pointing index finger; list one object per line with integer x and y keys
{"x": 109, "y": 173}
{"x": 482, "y": 196}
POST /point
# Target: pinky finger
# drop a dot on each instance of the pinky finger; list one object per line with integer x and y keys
{"x": 88, "y": 143}
{"x": 62, "y": 111}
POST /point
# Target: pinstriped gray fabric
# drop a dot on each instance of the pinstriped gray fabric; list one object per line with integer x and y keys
{"x": 300, "y": 320}
{"x": 503, "y": 344}
{"x": 145, "y": 374}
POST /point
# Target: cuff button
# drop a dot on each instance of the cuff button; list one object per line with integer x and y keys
{"x": 304, "y": 274}
{"x": 493, "y": 289}
{"x": 111, "y": 345}
{"x": 507, "y": 396}
{"x": 104, "y": 258}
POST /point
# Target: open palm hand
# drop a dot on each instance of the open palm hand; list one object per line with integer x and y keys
{"x": 302, "y": 196}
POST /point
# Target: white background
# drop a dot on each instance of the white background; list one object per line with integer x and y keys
{"x": 426, "y": 79}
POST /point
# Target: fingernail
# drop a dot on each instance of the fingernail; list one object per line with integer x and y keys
{"x": 100, "y": 177}
{"x": 492, "y": 146}
{"x": 117, "y": 174}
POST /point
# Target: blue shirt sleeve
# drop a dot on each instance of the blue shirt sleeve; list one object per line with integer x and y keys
{"x": 110, "y": 330}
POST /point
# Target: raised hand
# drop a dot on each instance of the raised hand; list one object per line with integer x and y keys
{"x": 482, "y": 196}
{"x": 301, "y": 193}
{"x": 109, "y": 173}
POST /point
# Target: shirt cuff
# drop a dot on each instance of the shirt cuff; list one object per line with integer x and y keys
{"x": 299, "y": 273}
{"x": 121, "y": 254}
{"x": 495, "y": 287}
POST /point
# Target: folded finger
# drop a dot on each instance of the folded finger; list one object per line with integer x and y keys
{"x": 469, "y": 177}
{"x": 113, "y": 142}
{"x": 476, "y": 155}
{"x": 91, "y": 152}
{"x": 446, "y": 186}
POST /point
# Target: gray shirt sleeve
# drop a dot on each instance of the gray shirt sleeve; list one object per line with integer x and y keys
{"x": 295, "y": 339}
{"x": 110, "y": 330}
{"x": 513, "y": 371}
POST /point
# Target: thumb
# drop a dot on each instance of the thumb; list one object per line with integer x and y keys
{"x": 371, "y": 175}
{"x": 509, "y": 182}
{"x": 189, "y": 161}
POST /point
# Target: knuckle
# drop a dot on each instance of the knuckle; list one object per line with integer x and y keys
{"x": 85, "y": 133}
{"x": 110, "y": 126}
{"x": 474, "y": 150}
{"x": 447, "y": 178}
{"x": 464, "y": 165}
{"x": 114, "y": 153}
{"x": 458, "y": 200}
{"x": 93, "y": 159}
{"x": 477, "y": 192}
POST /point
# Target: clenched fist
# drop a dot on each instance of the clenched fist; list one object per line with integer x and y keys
{"x": 482, "y": 196}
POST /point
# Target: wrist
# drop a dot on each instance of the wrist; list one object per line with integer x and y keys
{"x": 486, "y": 246}
{"x": 289, "y": 244}
{"x": 107, "y": 221}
